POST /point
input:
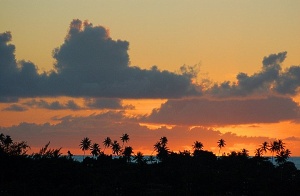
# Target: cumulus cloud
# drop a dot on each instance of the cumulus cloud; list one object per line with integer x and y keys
{"x": 225, "y": 112}
{"x": 88, "y": 63}
{"x": 271, "y": 79}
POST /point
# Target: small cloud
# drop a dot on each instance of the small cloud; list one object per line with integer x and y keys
{"x": 55, "y": 105}
{"x": 15, "y": 108}
{"x": 292, "y": 138}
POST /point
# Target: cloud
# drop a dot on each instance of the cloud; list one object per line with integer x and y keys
{"x": 292, "y": 138}
{"x": 15, "y": 108}
{"x": 55, "y": 105}
{"x": 71, "y": 130}
{"x": 106, "y": 103}
{"x": 225, "y": 112}
{"x": 89, "y": 103}
{"x": 271, "y": 79}
{"x": 90, "y": 64}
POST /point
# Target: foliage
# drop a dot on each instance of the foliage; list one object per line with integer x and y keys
{"x": 47, "y": 153}
{"x": 178, "y": 173}
{"x": 161, "y": 148}
{"x": 127, "y": 153}
{"x": 10, "y": 148}
{"x": 85, "y": 144}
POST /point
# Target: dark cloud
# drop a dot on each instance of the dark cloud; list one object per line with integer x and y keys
{"x": 89, "y": 103}
{"x": 89, "y": 63}
{"x": 106, "y": 103}
{"x": 289, "y": 81}
{"x": 55, "y": 105}
{"x": 271, "y": 79}
{"x": 15, "y": 108}
{"x": 225, "y": 112}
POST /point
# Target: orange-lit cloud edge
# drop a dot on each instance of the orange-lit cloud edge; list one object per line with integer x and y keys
{"x": 256, "y": 108}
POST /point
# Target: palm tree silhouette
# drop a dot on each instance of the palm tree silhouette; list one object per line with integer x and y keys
{"x": 161, "y": 148}
{"x": 274, "y": 147}
{"x": 95, "y": 150}
{"x": 221, "y": 144}
{"x": 124, "y": 138}
{"x": 127, "y": 153}
{"x": 163, "y": 141}
{"x": 282, "y": 156}
{"x": 106, "y": 143}
{"x": 85, "y": 144}
{"x": 116, "y": 148}
{"x": 264, "y": 147}
{"x": 277, "y": 146}
{"x": 197, "y": 145}
{"x": 281, "y": 146}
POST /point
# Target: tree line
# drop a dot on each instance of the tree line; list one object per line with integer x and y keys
{"x": 115, "y": 169}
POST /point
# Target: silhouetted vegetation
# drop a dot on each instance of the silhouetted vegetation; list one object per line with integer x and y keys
{"x": 199, "y": 172}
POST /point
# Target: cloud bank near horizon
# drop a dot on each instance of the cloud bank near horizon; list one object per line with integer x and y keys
{"x": 205, "y": 112}
{"x": 70, "y": 130}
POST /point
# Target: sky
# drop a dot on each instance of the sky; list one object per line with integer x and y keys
{"x": 187, "y": 70}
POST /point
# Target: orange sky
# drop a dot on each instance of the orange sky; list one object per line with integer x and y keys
{"x": 195, "y": 70}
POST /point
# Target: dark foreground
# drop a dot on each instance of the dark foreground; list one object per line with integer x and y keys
{"x": 177, "y": 174}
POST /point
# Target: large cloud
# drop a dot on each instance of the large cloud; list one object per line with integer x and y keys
{"x": 88, "y": 63}
{"x": 225, "y": 112}
{"x": 91, "y": 64}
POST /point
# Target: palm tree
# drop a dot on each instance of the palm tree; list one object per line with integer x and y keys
{"x": 163, "y": 141}
{"x": 197, "y": 146}
{"x": 282, "y": 156}
{"x": 127, "y": 153}
{"x": 274, "y": 147}
{"x": 124, "y": 138}
{"x": 85, "y": 144}
{"x": 95, "y": 149}
{"x": 106, "y": 143}
{"x": 161, "y": 148}
{"x": 116, "y": 148}
{"x": 281, "y": 146}
{"x": 264, "y": 147}
{"x": 221, "y": 144}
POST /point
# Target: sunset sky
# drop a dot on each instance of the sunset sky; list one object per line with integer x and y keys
{"x": 187, "y": 70}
